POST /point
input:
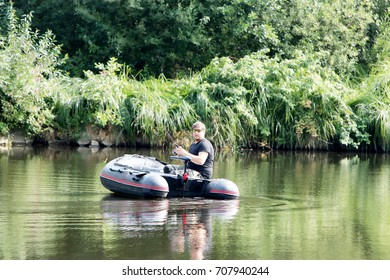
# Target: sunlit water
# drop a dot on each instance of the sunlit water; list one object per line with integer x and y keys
{"x": 293, "y": 205}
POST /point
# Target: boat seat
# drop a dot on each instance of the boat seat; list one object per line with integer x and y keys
{"x": 194, "y": 174}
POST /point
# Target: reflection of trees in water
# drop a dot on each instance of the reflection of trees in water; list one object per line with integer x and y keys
{"x": 188, "y": 221}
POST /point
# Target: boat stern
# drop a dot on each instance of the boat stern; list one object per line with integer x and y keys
{"x": 222, "y": 189}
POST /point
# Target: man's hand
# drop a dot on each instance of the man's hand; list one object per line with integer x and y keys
{"x": 180, "y": 151}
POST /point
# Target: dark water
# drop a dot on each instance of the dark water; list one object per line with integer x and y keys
{"x": 293, "y": 205}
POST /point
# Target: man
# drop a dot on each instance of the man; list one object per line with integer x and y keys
{"x": 201, "y": 152}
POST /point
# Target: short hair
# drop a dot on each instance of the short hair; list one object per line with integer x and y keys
{"x": 199, "y": 125}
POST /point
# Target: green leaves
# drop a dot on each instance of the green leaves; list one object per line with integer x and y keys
{"x": 102, "y": 94}
{"x": 267, "y": 73}
{"x": 295, "y": 103}
{"x": 28, "y": 65}
{"x": 154, "y": 107}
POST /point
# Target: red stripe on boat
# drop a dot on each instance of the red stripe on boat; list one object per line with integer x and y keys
{"x": 134, "y": 184}
{"x": 224, "y": 192}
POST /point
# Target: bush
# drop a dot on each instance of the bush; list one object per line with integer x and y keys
{"x": 27, "y": 75}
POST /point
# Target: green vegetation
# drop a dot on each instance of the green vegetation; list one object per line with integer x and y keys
{"x": 308, "y": 75}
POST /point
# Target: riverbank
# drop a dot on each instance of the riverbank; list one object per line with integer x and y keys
{"x": 90, "y": 137}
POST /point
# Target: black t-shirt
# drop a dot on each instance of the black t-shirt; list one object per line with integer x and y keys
{"x": 206, "y": 170}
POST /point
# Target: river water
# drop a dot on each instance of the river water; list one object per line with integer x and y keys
{"x": 292, "y": 206}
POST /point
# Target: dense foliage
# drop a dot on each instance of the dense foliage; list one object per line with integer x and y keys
{"x": 174, "y": 36}
{"x": 28, "y": 63}
{"x": 307, "y": 75}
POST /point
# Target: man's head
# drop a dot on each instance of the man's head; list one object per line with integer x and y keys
{"x": 198, "y": 131}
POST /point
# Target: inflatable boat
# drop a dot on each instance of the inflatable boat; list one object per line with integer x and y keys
{"x": 147, "y": 177}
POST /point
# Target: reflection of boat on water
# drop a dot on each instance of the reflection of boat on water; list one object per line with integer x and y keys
{"x": 187, "y": 221}
{"x": 134, "y": 214}
{"x": 147, "y": 177}
{"x": 124, "y": 212}
{"x": 220, "y": 209}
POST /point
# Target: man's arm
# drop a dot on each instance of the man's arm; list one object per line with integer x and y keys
{"x": 199, "y": 159}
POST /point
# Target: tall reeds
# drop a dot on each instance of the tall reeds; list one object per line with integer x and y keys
{"x": 154, "y": 109}
{"x": 294, "y": 104}
{"x": 372, "y": 106}
{"x": 255, "y": 102}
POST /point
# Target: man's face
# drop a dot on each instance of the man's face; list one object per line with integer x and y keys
{"x": 198, "y": 133}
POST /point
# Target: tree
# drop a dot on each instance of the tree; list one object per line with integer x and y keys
{"x": 28, "y": 64}
{"x": 180, "y": 36}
